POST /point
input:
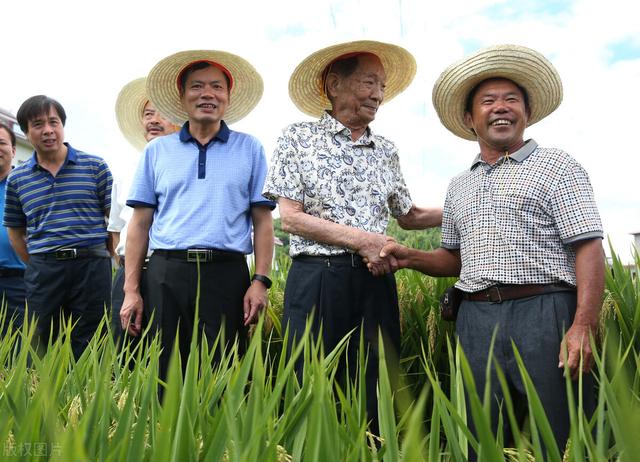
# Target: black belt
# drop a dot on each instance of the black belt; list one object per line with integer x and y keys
{"x": 199, "y": 255}
{"x": 11, "y": 272}
{"x": 344, "y": 259}
{"x": 73, "y": 253}
{"x": 500, "y": 293}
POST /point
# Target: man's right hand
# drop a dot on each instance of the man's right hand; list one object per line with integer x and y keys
{"x": 397, "y": 253}
{"x": 131, "y": 313}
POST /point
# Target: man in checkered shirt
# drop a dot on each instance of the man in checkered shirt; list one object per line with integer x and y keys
{"x": 522, "y": 229}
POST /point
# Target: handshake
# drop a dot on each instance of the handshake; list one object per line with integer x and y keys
{"x": 382, "y": 254}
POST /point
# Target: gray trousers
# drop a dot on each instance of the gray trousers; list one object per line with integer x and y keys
{"x": 536, "y": 325}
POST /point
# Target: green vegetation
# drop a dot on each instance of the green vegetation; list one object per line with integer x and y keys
{"x": 253, "y": 408}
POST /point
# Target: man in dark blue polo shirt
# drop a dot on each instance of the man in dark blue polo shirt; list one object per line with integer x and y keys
{"x": 197, "y": 198}
{"x": 55, "y": 212}
{"x": 12, "y": 292}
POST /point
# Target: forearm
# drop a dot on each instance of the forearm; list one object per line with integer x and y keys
{"x": 325, "y": 231}
{"x": 421, "y": 218}
{"x": 590, "y": 267}
{"x": 438, "y": 262}
{"x": 135, "y": 252}
{"x": 113, "y": 239}
{"x": 18, "y": 240}
{"x": 262, "y": 239}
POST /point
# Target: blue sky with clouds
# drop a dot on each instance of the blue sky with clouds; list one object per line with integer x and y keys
{"x": 82, "y": 53}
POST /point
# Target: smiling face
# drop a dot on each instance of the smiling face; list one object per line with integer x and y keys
{"x": 356, "y": 98}
{"x": 154, "y": 124}
{"x": 498, "y": 115}
{"x": 46, "y": 133}
{"x": 205, "y": 96}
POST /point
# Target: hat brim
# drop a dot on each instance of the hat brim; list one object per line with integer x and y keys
{"x": 524, "y": 66}
{"x": 129, "y": 106}
{"x": 305, "y": 84}
{"x": 162, "y": 86}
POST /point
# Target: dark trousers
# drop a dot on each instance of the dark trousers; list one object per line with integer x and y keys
{"x": 80, "y": 288}
{"x": 536, "y": 325}
{"x": 343, "y": 298}
{"x": 12, "y": 294}
{"x": 172, "y": 286}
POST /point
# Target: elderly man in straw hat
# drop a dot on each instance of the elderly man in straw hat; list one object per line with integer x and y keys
{"x": 522, "y": 228}
{"x": 139, "y": 122}
{"x": 336, "y": 183}
{"x": 196, "y": 199}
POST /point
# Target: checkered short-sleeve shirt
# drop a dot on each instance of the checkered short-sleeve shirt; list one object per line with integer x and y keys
{"x": 354, "y": 183}
{"x": 514, "y": 221}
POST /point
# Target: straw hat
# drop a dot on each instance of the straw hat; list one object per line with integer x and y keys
{"x": 306, "y": 85}
{"x": 162, "y": 83}
{"x": 524, "y": 66}
{"x": 129, "y": 106}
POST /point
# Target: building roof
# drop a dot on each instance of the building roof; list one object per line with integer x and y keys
{"x": 9, "y": 119}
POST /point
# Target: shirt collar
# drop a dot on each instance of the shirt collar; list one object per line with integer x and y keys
{"x": 520, "y": 155}
{"x": 334, "y": 126}
{"x": 222, "y": 135}
{"x": 72, "y": 156}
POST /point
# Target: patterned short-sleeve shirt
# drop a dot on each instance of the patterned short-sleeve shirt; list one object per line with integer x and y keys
{"x": 353, "y": 183}
{"x": 514, "y": 221}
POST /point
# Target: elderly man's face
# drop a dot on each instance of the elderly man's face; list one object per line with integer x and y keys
{"x": 154, "y": 124}
{"x": 358, "y": 97}
{"x": 498, "y": 115}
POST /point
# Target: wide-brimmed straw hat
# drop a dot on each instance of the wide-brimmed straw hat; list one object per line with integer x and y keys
{"x": 524, "y": 66}
{"x": 162, "y": 83}
{"x": 129, "y": 106}
{"x": 306, "y": 83}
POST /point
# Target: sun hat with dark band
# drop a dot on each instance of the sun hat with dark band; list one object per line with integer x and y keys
{"x": 306, "y": 85}
{"x": 524, "y": 66}
{"x": 245, "y": 84}
{"x": 129, "y": 106}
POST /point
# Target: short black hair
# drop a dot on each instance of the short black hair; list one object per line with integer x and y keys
{"x": 12, "y": 135}
{"x": 468, "y": 105}
{"x": 191, "y": 68}
{"x": 36, "y": 106}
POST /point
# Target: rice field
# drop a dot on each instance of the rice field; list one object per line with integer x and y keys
{"x": 105, "y": 406}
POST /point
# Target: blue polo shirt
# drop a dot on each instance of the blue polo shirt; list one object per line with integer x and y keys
{"x": 67, "y": 210}
{"x": 202, "y": 194}
{"x": 8, "y": 257}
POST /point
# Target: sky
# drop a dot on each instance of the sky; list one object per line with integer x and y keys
{"x": 82, "y": 53}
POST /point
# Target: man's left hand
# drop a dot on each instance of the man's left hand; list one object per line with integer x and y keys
{"x": 254, "y": 301}
{"x": 576, "y": 345}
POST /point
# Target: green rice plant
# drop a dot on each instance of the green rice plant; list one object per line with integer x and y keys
{"x": 623, "y": 297}
{"x": 219, "y": 404}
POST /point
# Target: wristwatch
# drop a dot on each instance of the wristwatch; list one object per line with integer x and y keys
{"x": 263, "y": 279}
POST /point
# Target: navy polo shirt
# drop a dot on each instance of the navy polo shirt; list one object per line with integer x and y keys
{"x": 67, "y": 210}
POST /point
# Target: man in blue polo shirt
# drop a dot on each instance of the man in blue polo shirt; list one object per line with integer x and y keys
{"x": 55, "y": 212}
{"x": 12, "y": 291}
{"x": 196, "y": 198}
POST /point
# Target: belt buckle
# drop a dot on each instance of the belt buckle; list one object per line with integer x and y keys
{"x": 198, "y": 255}
{"x": 66, "y": 254}
{"x": 498, "y": 295}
